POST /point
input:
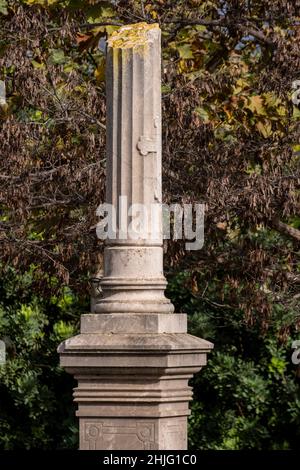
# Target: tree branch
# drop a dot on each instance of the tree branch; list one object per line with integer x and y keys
{"x": 257, "y": 34}
{"x": 286, "y": 229}
{"x": 187, "y": 22}
{"x": 194, "y": 22}
{"x": 103, "y": 23}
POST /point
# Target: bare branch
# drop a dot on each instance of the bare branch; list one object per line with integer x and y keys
{"x": 286, "y": 229}
{"x": 103, "y": 23}
{"x": 257, "y": 34}
{"x": 187, "y": 22}
{"x": 195, "y": 22}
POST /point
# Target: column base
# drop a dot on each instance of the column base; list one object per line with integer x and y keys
{"x": 132, "y": 373}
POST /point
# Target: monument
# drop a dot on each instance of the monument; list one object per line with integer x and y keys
{"x": 133, "y": 357}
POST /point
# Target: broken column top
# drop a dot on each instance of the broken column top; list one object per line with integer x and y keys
{"x": 134, "y": 35}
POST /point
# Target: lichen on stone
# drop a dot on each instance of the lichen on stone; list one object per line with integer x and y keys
{"x": 130, "y": 36}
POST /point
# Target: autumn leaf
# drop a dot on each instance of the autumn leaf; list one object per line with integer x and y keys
{"x": 91, "y": 39}
{"x": 265, "y": 128}
{"x": 38, "y": 65}
{"x": 271, "y": 99}
{"x": 228, "y": 112}
{"x": 81, "y": 38}
{"x": 100, "y": 71}
{"x": 194, "y": 285}
{"x": 202, "y": 113}
{"x": 222, "y": 225}
{"x": 185, "y": 51}
{"x": 296, "y": 113}
{"x": 240, "y": 85}
{"x": 256, "y": 105}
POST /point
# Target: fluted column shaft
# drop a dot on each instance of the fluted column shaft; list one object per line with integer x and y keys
{"x": 133, "y": 259}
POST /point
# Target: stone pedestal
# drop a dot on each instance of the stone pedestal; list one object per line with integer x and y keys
{"x": 132, "y": 373}
{"x": 133, "y": 357}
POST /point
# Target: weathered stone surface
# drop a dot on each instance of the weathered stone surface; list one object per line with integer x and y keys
{"x": 120, "y": 323}
{"x": 126, "y": 434}
{"x": 141, "y": 342}
{"x": 133, "y": 279}
{"x": 133, "y": 390}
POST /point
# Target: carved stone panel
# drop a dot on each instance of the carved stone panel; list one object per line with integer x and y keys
{"x": 118, "y": 434}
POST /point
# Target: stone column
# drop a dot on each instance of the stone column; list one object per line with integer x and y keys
{"x": 133, "y": 262}
{"x": 133, "y": 357}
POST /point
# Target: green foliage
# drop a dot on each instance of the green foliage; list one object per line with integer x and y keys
{"x": 248, "y": 395}
{"x": 3, "y": 7}
{"x": 36, "y": 409}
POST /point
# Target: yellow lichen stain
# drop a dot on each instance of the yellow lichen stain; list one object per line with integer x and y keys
{"x": 129, "y": 36}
